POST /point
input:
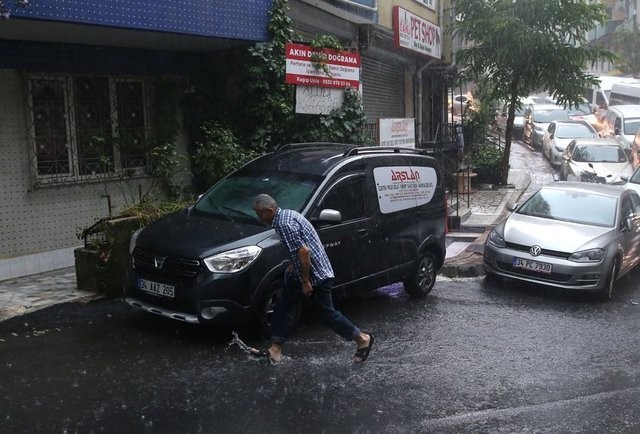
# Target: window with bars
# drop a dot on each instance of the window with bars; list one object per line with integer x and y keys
{"x": 86, "y": 127}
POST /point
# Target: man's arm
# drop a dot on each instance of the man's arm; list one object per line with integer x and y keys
{"x": 304, "y": 255}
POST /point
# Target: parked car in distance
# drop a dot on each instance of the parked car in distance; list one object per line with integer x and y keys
{"x": 603, "y": 160}
{"x": 621, "y": 122}
{"x": 570, "y": 235}
{"x": 518, "y": 121}
{"x": 635, "y": 149}
{"x": 558, "y": 136}
{"x": 537, "y": 118}
{"x": 380, "y": 213}
{"x": 460, "y": 104}
{"x": 633, "y": 181}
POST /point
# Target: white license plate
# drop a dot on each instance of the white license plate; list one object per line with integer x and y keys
{"x": 156, "y": 288}
{"x": 541, "y": 267}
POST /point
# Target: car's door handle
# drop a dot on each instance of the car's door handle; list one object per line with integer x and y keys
{"x": 363, "y": 232}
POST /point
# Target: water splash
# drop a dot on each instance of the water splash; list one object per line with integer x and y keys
{"x": 235, "y": 340}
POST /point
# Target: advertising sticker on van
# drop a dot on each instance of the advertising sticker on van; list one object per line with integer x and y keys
{"x": 403, "y": 187}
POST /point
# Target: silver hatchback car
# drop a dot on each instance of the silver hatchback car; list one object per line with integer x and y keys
{"x": 570, "y": 235}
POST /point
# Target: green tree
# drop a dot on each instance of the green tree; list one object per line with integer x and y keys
{"x": 272, "y": 110}
{"x": 627, "y": 47}
{"x": 518, "y": 47}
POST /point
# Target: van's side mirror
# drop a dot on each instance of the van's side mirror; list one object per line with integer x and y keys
{"x": 329, "y": 216}
{"x": 616, "y": 131}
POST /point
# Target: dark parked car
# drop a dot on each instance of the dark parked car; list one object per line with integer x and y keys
{"x": 380, "y": 212}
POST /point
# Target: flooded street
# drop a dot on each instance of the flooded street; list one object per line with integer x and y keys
{"x": 472, "y": 356}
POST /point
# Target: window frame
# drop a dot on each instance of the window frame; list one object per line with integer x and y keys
{"x": 75, "y": 175}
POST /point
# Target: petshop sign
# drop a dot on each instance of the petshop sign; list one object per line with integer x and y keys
{"x": 415, "y": 33}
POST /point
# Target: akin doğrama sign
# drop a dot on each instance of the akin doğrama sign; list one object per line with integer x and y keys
{"x": 343, "y": 67}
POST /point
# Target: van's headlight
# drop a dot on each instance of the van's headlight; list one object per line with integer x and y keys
{"x": 132, "y": 242}
{"x": 232, "y": 261}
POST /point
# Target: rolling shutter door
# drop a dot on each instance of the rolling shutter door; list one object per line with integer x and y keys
{"x": 382, "y": 89}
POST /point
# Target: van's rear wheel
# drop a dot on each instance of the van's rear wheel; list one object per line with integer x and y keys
{"x": 266, "y": 303}
{"x": 420, "y": 283}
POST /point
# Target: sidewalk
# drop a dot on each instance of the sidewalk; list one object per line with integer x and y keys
{"x": 464, "y": 252}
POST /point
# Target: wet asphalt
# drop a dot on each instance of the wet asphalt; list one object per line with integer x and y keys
{"x": 473, "y": 356}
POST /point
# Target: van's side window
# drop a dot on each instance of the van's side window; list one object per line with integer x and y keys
{"x": 348, "y": 198}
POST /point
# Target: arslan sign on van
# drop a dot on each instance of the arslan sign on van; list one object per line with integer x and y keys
{"x": 404, "y": 187}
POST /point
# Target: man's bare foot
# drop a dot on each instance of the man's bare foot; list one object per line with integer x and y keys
{"x": 275, "y": 353}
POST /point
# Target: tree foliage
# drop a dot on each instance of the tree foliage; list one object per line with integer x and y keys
{"x": 518, "y": 47}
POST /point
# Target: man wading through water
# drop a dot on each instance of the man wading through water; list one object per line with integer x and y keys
{"x": 310, "y": 273}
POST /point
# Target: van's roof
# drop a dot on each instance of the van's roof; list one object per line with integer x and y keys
{"x": 320, "y": 157}
{"x": 627, "y": 110}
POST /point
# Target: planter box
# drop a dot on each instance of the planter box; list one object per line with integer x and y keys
{"x": 105, "y": 272}
{"x": 488, "y": 175}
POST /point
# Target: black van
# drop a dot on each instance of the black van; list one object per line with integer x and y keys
{"x": 380, "y": 213}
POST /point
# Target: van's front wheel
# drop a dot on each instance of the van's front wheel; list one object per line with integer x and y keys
{"x": 265, "y": 304}
{"x": 420, "y": 283}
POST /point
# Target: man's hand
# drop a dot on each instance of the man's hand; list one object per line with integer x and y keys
{"x": 307, "y": 289}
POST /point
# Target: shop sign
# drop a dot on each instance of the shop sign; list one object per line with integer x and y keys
{"x": 415, "y": 33}
{"x": 343, "y": 67}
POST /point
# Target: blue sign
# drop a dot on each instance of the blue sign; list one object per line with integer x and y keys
{"x": 237, "y": 19}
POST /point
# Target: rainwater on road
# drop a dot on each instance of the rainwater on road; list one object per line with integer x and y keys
{"x": 473, "y": 356}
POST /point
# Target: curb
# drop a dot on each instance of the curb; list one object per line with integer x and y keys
{"x": 469, "y": 263}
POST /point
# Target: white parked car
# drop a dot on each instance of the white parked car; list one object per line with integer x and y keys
{"x": 633, "y": 182}
{"x": 558, "y": 136}
{"x": 604, "y": 161}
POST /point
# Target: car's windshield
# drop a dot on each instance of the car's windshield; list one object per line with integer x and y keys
{"x": 631, "y": 126}
{"x": 546, "y": 116}
{"x": 565, "y": 131}
{"x": 233, "y": 196}
{"x": 570, "y": 206}
{"x": 600, "y": 154}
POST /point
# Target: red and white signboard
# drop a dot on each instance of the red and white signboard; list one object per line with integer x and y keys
{"x": 415, "y": 33}
{"x": 343, "y": 66}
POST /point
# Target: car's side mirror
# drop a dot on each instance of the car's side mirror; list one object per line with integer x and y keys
{"x": 616, "y": 131}
{"x": 624, "y": 178}
{"x": 329, "y": 216}
{"x": 566, "y": 157}
{"x": 628, "y": 224}
{"x": 512, "y": 205}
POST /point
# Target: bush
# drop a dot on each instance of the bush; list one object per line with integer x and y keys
{"x": 486, "y": 156}
{"x": 217, "y": 156}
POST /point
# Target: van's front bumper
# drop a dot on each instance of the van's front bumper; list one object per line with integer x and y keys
{"x": 204, "y": 298}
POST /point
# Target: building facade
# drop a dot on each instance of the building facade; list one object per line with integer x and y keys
{"x": 84, "y": 84}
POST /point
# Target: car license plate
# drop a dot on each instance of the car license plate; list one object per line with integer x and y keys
{"x": 156, "y": 288}
{"x": 541, "y": 267}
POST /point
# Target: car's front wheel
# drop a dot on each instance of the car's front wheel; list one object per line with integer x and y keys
{"x": 265, "y": 305}
{"x": 607, "y": 291}
{"x": 420, "y": 283}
